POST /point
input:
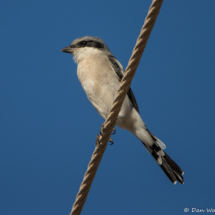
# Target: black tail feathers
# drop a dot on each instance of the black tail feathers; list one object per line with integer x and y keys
{"x": 170, "y": 168}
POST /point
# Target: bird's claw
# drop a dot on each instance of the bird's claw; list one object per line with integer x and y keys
{"x": 102, "y": 129}
{"x": 102, "y": 133}
{"x": 114, "y": 131}
{"x": 111, "y": 141}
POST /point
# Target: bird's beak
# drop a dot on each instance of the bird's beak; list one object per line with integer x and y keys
{"x": 68, "y": 49}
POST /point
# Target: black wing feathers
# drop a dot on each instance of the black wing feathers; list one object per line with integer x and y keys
{"x": 132, "y": 99}
{"x": 118, "y": 69}
{"x": 116, "y": 66}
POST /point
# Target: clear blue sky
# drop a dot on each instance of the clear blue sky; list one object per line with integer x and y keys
{"x": 48, "y": 126}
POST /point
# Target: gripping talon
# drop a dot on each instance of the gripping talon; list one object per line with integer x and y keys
{"x": 114, "y": 131}
{"x": 97, "y": 141}
{"x": 111, "y": 141}
{"x": 102, "y": 129}
{"x": 101, "y": 133}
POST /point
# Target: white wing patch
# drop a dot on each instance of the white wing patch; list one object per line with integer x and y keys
{"x": 161, "y": 144}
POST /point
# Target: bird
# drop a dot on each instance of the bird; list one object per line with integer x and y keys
{"x": 100, "y": 73}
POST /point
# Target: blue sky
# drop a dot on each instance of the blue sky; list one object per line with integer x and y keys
{"x": 48, "y": 126}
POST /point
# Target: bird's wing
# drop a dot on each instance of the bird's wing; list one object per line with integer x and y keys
{"x": 156, "y": 140}
{"x": 118, "y": 69}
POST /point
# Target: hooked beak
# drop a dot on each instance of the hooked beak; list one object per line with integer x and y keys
{"x": 68, "y": 49}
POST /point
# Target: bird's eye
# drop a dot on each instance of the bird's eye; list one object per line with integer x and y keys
{"x": 84, "y": 43}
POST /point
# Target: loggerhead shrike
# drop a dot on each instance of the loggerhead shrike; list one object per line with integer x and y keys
{"x": 100, "y": 74}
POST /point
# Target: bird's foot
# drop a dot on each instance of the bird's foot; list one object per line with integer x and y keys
{"x": 97, "y": 141}
{"x": 111, "y": 141}
{"x": 114, "y": 131}
{"x": 102, "y": 130}
{"x": 102, "y": 133}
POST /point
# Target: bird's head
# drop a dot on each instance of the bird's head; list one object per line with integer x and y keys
{"x": 85, "y": 46}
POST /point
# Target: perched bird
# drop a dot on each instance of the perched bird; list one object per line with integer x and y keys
{"x": 100, "y": 74}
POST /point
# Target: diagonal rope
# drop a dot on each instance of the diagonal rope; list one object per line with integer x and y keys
{"x": 117, "y": 104}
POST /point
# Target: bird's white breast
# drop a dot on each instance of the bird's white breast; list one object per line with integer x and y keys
{"x": 98, "y": 81}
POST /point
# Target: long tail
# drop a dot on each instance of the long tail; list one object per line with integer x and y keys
{"x": 170, "y": 168}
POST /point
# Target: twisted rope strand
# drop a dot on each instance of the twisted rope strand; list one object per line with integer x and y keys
{"x": 117, "y": 104}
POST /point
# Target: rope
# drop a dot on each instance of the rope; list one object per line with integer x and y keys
{"x": 117, "y": 104}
